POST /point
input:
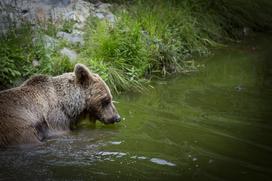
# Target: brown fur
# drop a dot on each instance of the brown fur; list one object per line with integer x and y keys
{"x": 43, "y": 106}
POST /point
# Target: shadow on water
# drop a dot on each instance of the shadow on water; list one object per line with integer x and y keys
{"x": 212, "y": 125}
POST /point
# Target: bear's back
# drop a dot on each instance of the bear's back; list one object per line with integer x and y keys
{"x": 37, "y": 80}
{"x": 28, "y": 100}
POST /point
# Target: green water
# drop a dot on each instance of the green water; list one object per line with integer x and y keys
{"x": 215, "y": 124}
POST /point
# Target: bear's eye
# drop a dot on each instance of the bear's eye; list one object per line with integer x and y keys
{"x": 105, "y": 102}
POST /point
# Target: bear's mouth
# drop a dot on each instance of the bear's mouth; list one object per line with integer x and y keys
{"x": 94, "y": 117}
{"x": 107, "y": 122}
{"x": 114, "y": 119}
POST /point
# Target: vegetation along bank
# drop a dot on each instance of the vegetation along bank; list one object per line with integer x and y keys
{"x": 128, "y": 42}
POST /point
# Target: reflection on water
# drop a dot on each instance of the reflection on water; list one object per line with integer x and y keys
{"x": 161, "y": 162}
{"x": 211, "y": 125}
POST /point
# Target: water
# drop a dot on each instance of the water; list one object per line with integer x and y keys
{"x": 211, "y": 125}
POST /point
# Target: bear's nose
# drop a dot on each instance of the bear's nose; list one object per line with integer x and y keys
{"x": 117, "y": 118}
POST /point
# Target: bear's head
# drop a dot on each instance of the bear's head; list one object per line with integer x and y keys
{"x": 98, "y": 97}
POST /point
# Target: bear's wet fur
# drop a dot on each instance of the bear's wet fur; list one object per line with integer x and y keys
{"x": 43, "y": 106}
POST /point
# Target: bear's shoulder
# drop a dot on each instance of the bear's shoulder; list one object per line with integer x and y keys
{"x": 36, "y": 80}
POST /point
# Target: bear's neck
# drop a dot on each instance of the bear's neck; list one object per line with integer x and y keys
{"x": 71, "y": 102}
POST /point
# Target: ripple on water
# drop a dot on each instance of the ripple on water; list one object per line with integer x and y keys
{"x": 115, "y": 142}
{"x": 109, "y": 153}
{"x": 162, "y": 162}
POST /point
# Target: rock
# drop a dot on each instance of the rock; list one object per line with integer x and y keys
{"x": 75, "y": 38}
{"x": 76, "y": 31}
{"x": 35, "y": 63}
{"x": 34, "y": 11}
{"x": 49, "y": 42}
{"x": 104, "y": 6}
{"x": 83, "y": 10}
{"x": 70, "y": 54}
{"x": 81, "y": 18}
{"x": 79, "y": 26}
{"x": 70, "y": 16}
{"x": 99, "y": 15}
{"x": 110, "y": 17}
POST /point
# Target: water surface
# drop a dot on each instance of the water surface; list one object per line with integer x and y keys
{"x": 211, "y": 125}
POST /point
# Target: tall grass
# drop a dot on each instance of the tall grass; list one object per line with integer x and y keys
{"x": 157, "y": 38}
{"x": 147, "y": 39}
{"x": 16, "y": 54}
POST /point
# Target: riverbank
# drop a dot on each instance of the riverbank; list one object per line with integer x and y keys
{"x": 142, "y": 40}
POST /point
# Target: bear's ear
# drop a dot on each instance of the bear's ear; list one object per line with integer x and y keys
{"x": 83, "y": 74}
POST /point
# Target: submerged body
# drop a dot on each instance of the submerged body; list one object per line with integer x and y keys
{"x": 44, "y": 106}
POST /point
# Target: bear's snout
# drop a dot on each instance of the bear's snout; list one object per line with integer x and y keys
{"x": 117, "y": 118}
{"x": 114, "y": 119}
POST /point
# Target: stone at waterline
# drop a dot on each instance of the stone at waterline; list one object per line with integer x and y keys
{"x": 70, "y": 54}
{"x": 74, "y": 38}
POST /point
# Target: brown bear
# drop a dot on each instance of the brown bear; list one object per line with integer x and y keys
{"x": 44, "y": 106}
